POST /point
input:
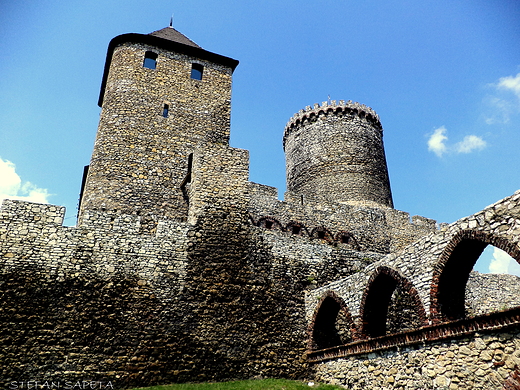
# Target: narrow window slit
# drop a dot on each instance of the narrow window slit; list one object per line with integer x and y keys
{"x": 166, "y": 109}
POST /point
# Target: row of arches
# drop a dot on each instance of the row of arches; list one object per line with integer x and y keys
{"x": 298, "y": 228}
{"x": 391, "y": 304}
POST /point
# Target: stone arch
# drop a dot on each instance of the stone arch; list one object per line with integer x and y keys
{"x": 347, "y": 238}
{"x": 270, "y": 223}
{"x": 297, "y": 228}
{"x": 331, "y": 324}
{"x": 451, "y": 272}
{"x": 390, "y": 304}
{"x": 322, "y": 233}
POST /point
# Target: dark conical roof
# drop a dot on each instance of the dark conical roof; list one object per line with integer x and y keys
{"x": 171, "y": 34}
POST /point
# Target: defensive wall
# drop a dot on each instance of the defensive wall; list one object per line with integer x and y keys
{"x": 139, "y": 300}
{"x": 412, "y": 320}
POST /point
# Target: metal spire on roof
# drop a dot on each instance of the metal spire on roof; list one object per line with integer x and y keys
{"x": 171, "y": 21}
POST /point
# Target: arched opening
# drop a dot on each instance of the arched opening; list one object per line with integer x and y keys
{"x": 390, "y": 305}
{"x": 347, "y": 238}
{"x": 297, "y": 229}
{"x": 449, "y": 290}
{"x": 322, "y": 233}
{"x": 332, "y": 324}
{"x": 269, "y": 223}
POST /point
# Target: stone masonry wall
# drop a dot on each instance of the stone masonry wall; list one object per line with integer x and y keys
{"x": 483, "y": 361}
{"x": 360, "y": 227}
{"x": 210, "y": 299}
{"x": 422, "y": 262}
{"x": 140, "y": 158}
{"x": 335, "y": 151}
{"x": 418, "y": 276}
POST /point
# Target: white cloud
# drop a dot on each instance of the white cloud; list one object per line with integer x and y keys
{"x": 470, "y": 143}
{"x": 11, "y": 186}
{"x": 510, "y": 83}
{"x": 436, "y": 141}
{"x": 500, "y": 262}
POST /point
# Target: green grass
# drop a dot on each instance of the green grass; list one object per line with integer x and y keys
{"x": 265, "y": 384}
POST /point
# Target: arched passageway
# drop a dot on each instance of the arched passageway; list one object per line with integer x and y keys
{"x": 390, "y": 304}
{"x": 332, "y": 324}
{"x": 450, "y": 278}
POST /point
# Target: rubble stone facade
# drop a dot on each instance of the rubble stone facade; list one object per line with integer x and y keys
{"x": 181, "y": 269}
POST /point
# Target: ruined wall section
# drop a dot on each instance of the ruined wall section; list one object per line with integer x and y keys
{"x": 140, "y": 157}
{"x": 356, "y": 227}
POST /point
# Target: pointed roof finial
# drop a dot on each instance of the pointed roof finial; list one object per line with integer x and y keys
{"x": 171, "y": 21}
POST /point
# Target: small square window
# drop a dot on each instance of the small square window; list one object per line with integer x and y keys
{"x": 150, "y": 60}
{"x": 196, "y": 71}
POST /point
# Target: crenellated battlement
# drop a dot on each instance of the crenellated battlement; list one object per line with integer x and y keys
{"x": 331, "y": 107}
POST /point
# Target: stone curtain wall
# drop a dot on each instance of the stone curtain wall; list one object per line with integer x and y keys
{"x": 107, "y": 301}
{"x": 82, "y": 303}
{"x": 366, "y": 229}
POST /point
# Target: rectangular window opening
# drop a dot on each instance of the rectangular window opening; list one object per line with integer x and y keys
{"x": 150, "y": 60}
{"x": 196, "y": 71}
{"x": 166, "y": 108}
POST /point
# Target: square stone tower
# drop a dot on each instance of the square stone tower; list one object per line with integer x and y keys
{"x": 161, "y": 97}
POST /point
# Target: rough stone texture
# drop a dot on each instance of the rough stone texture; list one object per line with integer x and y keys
{"x": 140, "y": 158}
{"x": 486, "y": 293}
{"x": 433, "y": 277}
{"x": 360, "y": 227}
{"x": 335, "y": 151}
{"x": 180, "y": 269}
{"x": 484, "y": 361}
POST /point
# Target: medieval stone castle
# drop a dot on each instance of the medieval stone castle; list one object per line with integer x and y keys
{"x": 180, "y": 269}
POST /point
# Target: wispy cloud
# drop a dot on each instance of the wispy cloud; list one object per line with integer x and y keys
{"x": 12, "y": 187}
{"x": 510, "y": 83}
{"x": 437, "y": 143}
{"x": 499, "y": 263}
{"x": 501, "y": 104}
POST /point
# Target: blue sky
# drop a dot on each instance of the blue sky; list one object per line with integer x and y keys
{"x": 444, "y": 78}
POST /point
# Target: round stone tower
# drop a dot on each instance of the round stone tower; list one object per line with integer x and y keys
{"x": 161, "y": 96}
{"x": 335, "y": 152}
